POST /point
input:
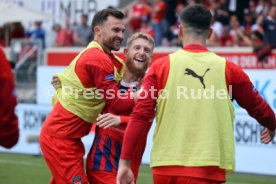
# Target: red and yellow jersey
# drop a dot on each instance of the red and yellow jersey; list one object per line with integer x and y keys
{"x": 94, "y": 69}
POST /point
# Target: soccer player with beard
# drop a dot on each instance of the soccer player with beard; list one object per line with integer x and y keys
{"x": 103, "y": 158}
{"x": 93, "y": 70}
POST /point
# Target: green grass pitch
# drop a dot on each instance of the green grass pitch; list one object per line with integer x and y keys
{"x": 26, "y": 169}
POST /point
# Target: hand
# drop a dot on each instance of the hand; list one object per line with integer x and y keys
{"x": 125, "y": 174}
{"x": 267, "y": 136}
{"x": 56, "y": 82}
{"x": 107, "y": 120}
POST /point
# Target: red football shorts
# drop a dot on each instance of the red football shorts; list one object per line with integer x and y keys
{"x": 105, "y": 177}
{"x": 101, "y": 177}
{"x": 164, "y": 179}
{"x": 64, "y": 158}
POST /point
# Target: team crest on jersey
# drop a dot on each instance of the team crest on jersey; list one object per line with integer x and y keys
{"x": 77, "y": 180}
{"x": 109, "y": 77}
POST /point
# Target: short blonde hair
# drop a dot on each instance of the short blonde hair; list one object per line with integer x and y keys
{"x": 138, "y": 35}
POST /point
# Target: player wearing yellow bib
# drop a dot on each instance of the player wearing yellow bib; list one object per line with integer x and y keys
{"x": 85, "y": 86}
{"x": 193, "y": 140}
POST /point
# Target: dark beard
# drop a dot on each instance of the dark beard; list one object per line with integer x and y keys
{"x": 108, "y": 44}
{"x": 139, "y": 73}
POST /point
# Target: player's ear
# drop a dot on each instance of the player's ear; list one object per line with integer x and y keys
{"x": 97, "y": 29}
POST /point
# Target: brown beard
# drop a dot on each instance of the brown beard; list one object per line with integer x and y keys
{"x": 139, "y": 73}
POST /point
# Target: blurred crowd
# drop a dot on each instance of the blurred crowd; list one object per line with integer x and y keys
{"x": 66, "y": 35}
{"x": 235, "y": 23}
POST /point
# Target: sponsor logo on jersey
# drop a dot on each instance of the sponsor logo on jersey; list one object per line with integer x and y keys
{"x": 109, "y": 77}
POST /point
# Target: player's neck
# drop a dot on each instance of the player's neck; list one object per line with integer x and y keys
{"x": 129, "y": 77}
{"x": 191, "y": 41}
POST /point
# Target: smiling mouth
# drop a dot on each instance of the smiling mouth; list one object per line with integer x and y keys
{"x": 118, "y": 41}
{"x": 139, "y": 61}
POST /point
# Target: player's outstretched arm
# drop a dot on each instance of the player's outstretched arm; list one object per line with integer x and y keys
{"x": 248, "y": 97}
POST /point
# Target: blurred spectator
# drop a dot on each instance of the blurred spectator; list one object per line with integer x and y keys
{"x": 261, "y": 7}
{"x": 158, "y": 11}
{"x": 51, "y": 36}
{"x": 269, "y": 26}
{"x": 221, "y": 13}
{"x": 9, "y": 131}
{"x": 170, "y": 13}
{"x": 138, "y": 13}
{"x": 236, "y": 7}
{"x": 252, "y": 9}
{"x": 10, "y": 31}
{"x": 146, "y": 28}
{"x": 248, "y": 21}
{"x": 64, "y": 36}
{"x": 261, "y": 49}
{"x": 217, "y": 32}
{"x": 172, "y": 36}
{"x": 37, "y": 33}
{"x": 236, "y": 31}
{"x": 256, "y": 40}
{"x": 159, "y": 20}
{"x": 83, "y": 32}
{"x": 17, "y": 31}
{"x": 226, "y": 38}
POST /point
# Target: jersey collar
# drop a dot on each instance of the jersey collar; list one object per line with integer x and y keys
{"x": 195, "y": 48}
